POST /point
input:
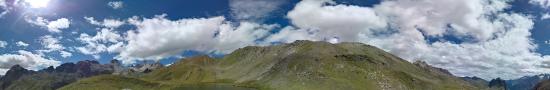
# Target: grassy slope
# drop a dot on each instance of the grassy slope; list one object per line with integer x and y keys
{"x": 297, "y": 66}
{"x": 42, "y": 81}
{"x": 112, "y": 82}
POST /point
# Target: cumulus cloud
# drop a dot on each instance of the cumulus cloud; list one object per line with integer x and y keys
{"x": 26, "y": 59}
{"x": 496, "y": 44}
{"x": 253, "y": 10}
{"x": 108, "y": 23}
{"x": 65, "y": 54}
{"x": 21, "y": 44}
{"x": 542, "y": 3}
{"x": 104, "y": 40}
{"x": 4, "y": 7}
{"x": 340, "y": 21}
{"x": 116, "y": 4}
{"x": 545, "y": 16}
{"x": 3, "y": 44}
{"x": 52, "y": 44}
{"x": 158, "y": 37}
{"x": 52, "y": 26}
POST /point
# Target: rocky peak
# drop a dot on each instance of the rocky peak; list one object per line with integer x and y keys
{"x": 425, "y": 65}
{"x": 473, "y": 78}
{"x": 497, "y": 83}
{"x": 66, "y": 67}
{"x": 49, "y": 69}
{"x": 15, "y": 72}
{"x": 88, "y": 68}
{"x": 117, "y": 67}
{"x": 16, "y": 67}
{"x": 146, "y": 67}
{"x": 542, "y": 85}
{"x": 115, "y": 62}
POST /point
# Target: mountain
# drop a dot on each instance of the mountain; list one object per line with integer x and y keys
{"x": 543, "y": 85}
{"x": 476, "y": 81}
{"x": 526, "y": 82}
{"x": 302, "y": 65}
{"x": 19, "y": 78}
{"x": 13, "y": 74}
{"x": 497, "y": 84}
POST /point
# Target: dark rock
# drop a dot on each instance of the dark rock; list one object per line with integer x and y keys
{"x": 476, "y": 81}
{"x": 526, "y": 82}
{"x": 498, "y": 84}
{"x": 13, "y": 74}
{"x": 148, "y": 67}
{"x": 543, "y": 85}
{"x": 18, "y": 78}
{"x": 89, "y": 68}
{"x": 49, "y": 69}
{"x": 66, "y": 68}
{"x": 117, "y": 67}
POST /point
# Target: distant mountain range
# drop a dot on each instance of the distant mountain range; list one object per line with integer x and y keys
{"x": 526, "y": 82}
{"x": 302, "y": 65}
{"x": 19, "y": 78}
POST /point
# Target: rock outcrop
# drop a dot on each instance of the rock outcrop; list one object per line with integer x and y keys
{"x": 497, "y": 84}
{"x": 19, "y": 78}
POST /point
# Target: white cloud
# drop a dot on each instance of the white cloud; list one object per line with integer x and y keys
{"x": 3, "y": 44}
{"x": 542, "y": 3}
{"x": 52, "y": 26}
{"x": 50, "y": 43}
{"x": 117, "y": 47}
{"x": 65, "y": 54}
{"x": 158, "y": 37}
{"x": 116, "y": 4}
{"x": 545, "y": 16}
{"x": 108, "y": 23}
{"x": 253, "y": 10}
{"x": 62, "y": 23}
{"x": 25, "y": 59}
{"x": 344, "y": 22}
{"x": 100, "y": 42}
{"x": 497, "y": 44}
{"x": 290, "y": 34}
{"x": 21, "y": 44}
{"x": 4, "y": 7}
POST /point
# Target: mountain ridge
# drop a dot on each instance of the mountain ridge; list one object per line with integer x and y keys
{"x": 298, "y": 65}
{"x": 50, "y": 78}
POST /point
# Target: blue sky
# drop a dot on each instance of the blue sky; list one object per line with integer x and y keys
{"x": 444, "y": 33}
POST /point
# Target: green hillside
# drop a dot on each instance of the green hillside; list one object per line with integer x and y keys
{"x": 302, "y": 65}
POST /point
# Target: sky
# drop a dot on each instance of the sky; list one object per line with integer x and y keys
{"x": 484, "y": 38}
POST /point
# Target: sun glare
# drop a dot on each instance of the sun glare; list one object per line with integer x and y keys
{"x": 38, "y": 3}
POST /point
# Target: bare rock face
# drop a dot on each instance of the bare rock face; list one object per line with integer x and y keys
{"x": 89, "y": 68}
{"x": 543, "y": 85}
{"x": 497, "y": 84}
{"x": 117, "y": 67}
{"x": 13, "y": 74}
{"x": 19, "y": 78}
{"x": 66, "y": 68}
{"x": 133, "y": 70}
